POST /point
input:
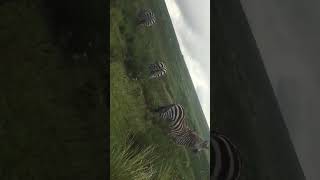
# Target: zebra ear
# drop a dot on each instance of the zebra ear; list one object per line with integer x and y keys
{"x": 206, "y": 144}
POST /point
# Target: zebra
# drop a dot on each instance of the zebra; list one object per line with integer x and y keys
{"x": 157, "y": 70}
{"x": 178, "y": 129}
{"x": 227, "y": 160}
{"x": 146, "y": 17}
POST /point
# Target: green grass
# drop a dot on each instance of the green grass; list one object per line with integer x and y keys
{"x": 129, "y": 164}
{"x": 132, "y": 49}
{"x": 129, "y": 117}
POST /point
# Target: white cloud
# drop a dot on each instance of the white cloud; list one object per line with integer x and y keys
{"x": 192, "y": 28}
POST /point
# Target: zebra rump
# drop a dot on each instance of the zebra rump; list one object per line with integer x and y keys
{"x": 227, "y": 160}
{"x": 157, "y": 67}
{"x": 146, "y": 17}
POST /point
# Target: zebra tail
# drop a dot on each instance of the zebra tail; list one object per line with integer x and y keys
{"x": 140, "y": 21}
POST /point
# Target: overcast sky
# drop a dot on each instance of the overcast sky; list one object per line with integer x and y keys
{"x": 191, "y": 21}
{"x": 288, "y": 36}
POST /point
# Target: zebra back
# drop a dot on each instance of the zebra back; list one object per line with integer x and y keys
{"x": 174, "y": 113}
{"x": 146, "y": 17}
{"x": 227, "y": 160}
{"x": 157, "y": 70}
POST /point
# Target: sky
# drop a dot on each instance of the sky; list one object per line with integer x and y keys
{"x": 191, "y": 22}
{"x": 287, "y": 34}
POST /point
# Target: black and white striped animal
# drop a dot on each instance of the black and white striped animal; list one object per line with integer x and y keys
{"x": 157, "y": 70}
{"x": 178, "y": 129}
{"x": 226, "y": 158}
{"x": 146, "y": 17}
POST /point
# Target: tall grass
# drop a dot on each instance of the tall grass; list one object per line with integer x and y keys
{"x": 165, "y": 172}
{"x": 128, "y": 164}
{"x": 131, "y": 162}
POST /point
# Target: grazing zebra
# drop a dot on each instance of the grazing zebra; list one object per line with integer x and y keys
{"x": 157, "y": 70}
{"x": 178, "y": 129}
{"x": 227, "y": 161}
{"x": 146, "y": 17}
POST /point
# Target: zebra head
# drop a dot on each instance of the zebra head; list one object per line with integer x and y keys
{"x": 200, "y": 144}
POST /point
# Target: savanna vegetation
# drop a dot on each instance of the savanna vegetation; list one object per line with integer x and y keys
{"x": 140, "y": 146}
{"x": 53, "y": 106}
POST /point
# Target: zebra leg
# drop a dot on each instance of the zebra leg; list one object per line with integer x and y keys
{"x": 170, "y": 134}
{"x": 140, "y": 21}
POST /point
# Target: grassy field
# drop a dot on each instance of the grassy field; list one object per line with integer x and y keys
{"x": 133, "y": 94}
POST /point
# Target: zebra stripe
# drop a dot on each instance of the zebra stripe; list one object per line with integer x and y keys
{"x": 157, "y": 66}
{"x": 178, "y": 128}
{"x": 157, "y": 70}
{"x": 146, "y": 17}
{"x": 227, "y": 161}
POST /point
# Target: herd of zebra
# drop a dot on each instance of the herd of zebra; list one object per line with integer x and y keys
{"x": 227, "y": 161}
